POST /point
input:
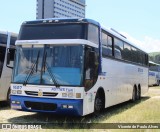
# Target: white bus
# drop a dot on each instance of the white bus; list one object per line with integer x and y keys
{"x": 75, "y": 67}
{"x": 154, "y": 74}
{"x": 7, "y": 40}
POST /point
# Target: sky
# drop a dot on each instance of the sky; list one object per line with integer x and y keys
{"x": 138, "y": 20}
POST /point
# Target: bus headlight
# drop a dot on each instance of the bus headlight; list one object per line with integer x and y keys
{"x": 64, "y": 106}
{"x": 67, "y": 106}
{"x": 15, "y": 102}
{"x": 19, "y": 91}
{"x": 70, "y": 106}
{"x": 13, "y": 91}
{"x": 64, "y": 94}
{"x": 70, "y": 95}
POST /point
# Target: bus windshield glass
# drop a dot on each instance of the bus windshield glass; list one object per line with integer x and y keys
{"x": 52, "y": 31}
{"x": 49, "y": 65}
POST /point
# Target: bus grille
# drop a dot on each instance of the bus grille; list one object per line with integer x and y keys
{"x": 40, "y": 106}
{"x": 46, "y": 94}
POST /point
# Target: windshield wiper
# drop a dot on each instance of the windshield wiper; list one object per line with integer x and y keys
{"x": 32, "y": 69}
{"x": 45, "y": 65}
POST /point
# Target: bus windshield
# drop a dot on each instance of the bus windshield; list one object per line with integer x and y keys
{"x": 49, "y": 65}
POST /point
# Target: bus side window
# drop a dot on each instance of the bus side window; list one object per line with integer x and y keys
{"x": 106, "y": 45}
{"x": 110, "y": 46}
{"x": 118, "y": 48}
{"x": 126, "y": 54}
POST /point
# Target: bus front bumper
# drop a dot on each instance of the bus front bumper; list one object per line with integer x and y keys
{"x": 48, "y": 105}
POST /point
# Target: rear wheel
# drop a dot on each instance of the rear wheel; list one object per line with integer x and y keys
{"x": 139, "y": 93}
{"x": 134, "y": 94}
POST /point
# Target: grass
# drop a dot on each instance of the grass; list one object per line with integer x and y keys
{"x": 144, "y": 111}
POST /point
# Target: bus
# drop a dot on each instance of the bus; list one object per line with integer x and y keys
{"x": 7, "y": 40}
{"x": 75, "y": 67}
{"x": 154, "y": 74}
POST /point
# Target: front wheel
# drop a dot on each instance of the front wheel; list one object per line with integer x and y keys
{"x": 98, "y": 104}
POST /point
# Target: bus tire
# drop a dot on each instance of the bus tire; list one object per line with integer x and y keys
{"x": 139, "y": 93}
{"x": 99, "y": 103}
{"x": 8, "y": 96}
{"x": 134, "y": 94}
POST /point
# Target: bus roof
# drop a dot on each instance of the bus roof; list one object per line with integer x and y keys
{"x": 63, "y": 20}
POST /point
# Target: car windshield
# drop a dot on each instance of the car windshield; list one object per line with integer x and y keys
{"x": 49, "y": 65}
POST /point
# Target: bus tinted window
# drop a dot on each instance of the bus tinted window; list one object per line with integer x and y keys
{"x": 118, "y": 48}
{"x": 13, "y": 40}
{"x": 124, "y": 51}
{"x": 104, "y": 38}
{"x": 126, "y": 54}
{"x": 146, "y": 59}
{"x": 134, "y": 56}
{"x": 93, "y": 35}
{"x": 52, "y": 31}
{"x": 3, "y": 38}
{"x": 106, "y": 45}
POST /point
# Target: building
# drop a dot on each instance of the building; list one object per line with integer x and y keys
{"x": 60, "y": 8}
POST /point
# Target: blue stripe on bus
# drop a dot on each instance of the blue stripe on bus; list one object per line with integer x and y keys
{"x": 76, "y": 111}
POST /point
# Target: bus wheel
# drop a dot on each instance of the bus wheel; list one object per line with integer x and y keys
{"x": 134, "y": 94}
{"x": 99, "y": 101}
{"x": 139, "y": 93}
{"x": 8, "y": 96}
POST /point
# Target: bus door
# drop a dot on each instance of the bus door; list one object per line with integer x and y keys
{"x": 90, "y": 79}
